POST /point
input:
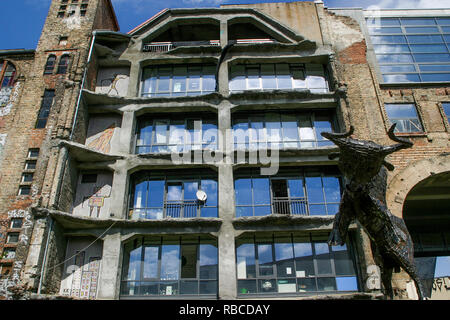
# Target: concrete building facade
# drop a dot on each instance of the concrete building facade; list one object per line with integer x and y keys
{"x": 185, "y": 158}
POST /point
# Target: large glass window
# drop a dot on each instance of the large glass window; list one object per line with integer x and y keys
{"x": 411, "y": 49}
{"x": 170, "y": 266}
{"x": 297, "y": 192}
{"x": 405, "y": 116}
{"x": 281, "y": 130}
{"x": 169, "y": 133}
{"x": 178, "y": 80}
{"x": 270, "y": 76}
{"x": 157, "y": 196}
{"x": 293, "y": 263}
{"x": 7, "y": 78}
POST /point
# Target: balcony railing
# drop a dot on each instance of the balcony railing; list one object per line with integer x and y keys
{"x": 182, "y": 209}
{"x": 255, "y": 41}
{"x": 285, "y": 205}
{"x": 166, "y": 46}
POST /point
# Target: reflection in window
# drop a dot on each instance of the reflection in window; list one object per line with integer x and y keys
{"x": 298, "y": 193}
{"x": 168, "y": 266}
{"x": 178, "y": 80}
{"x": 408, "y": 49}
{"x": 158, "y": 197}
{"x": 176, "y": 134}
{"x": 278, "y": 76}
{"x": 279, "y": 130}
{"x": 405, "y": 116}
{"x": 7, "y": 78}
{"x": 293, "y": 264}
{"x": 446, "y": 108}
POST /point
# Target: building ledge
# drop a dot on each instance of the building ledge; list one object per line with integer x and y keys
{"x": 84, "y": 154}
{"x": 334, "y": 296}
{"x": 69, "y": 221}
{"x": 284, "y": 220}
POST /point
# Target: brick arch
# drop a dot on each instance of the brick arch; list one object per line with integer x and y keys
{"x": 417, "y": 171}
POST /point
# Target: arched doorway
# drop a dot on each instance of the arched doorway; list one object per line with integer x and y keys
{"x": 426, "y": 212}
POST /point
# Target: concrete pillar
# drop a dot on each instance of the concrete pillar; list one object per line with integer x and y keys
{"x": 133, "y": 86}
{"x": 119, "y": 193}
{"x": 109, "y": 277}
{"x": 227, "y": 252}
{"x": 126, "y": 137}
{"x": 223, "y": 70}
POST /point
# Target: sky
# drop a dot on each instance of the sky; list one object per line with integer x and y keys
{"x": 22, "y": 20}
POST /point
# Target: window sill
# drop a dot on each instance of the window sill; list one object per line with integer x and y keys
{"x": 386, "y": 85}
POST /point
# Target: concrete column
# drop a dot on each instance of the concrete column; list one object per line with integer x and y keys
{"x": 119, "y": 192}
{"x": 223, "y": 70}
{"x": 133, "y": 86}
{"x": 109, "y": 277}
{"x": 227, "y": 252}
{"x": 126, "y": 137}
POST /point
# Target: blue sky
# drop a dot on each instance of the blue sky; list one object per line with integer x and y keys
{"x": 22, "y": 20}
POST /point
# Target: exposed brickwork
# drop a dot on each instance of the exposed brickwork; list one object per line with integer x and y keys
{"x": 355, "y": 54}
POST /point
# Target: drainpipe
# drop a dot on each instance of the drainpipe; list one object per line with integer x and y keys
{"x": 222, "y": 57}
{"x": 44, "y": 261}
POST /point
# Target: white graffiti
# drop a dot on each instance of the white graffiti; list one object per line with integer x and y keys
{"x": 7, "y": 109}
{"x": 18, "y": 213}
{"x": 373, "y": 281}
{"x": 23, "y": 238}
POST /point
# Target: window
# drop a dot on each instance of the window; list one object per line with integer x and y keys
{"x": 7, "y": 74}
{"x": 30, "y": 165}
{"x": 279, "y": 130}
{"x": 405, "y": 116}
{"x": 296, "y": 192}
{"x": 178, "y": 80}
{"x": 47, "y": 102}
{"x": 27, "y": 177}
{"x": 271, "y": 76}
{"x": 89, "y": 178}
{"x": 293, "y": 263}
{"x": 170, "y": 133}
{"x": 24, "y": 190}
{"x": 16, "y": 223}
{"x": 446, "y": 108}
{"x": 9, "y": 253}
{"x": 13, "y": 237}
{"x": 174, "y": 195}
{"x": 169, "y": 266}
{"x": 63, "y": 64}
{"x": 5, "y": 270}
{"x": 411, "y": 49}
{"x": 33, "y": 153}
{"x": 63, "y": 41}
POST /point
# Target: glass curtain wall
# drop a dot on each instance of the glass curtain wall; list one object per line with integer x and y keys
{"x": 412, "y": 49}
{"x": 295, "y": 263}
{"x": 170, "y": 266}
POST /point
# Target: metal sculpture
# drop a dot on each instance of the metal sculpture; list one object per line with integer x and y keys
{"x": 364, "y": 198}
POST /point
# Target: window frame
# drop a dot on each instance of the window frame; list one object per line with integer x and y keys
{"x": 167, "y": 179}
{"x": 63, "y": 64}
{"x": 159, "y": 241}
{"x": 44, "y": 111}
{"x": 289, "y": 174}
{"x": 414, "y": 107}
{"x": 4, "y": 65}
{"x": 314, "y": 238}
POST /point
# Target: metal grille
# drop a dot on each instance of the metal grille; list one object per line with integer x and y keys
{"x": 181, "y": 209}
{"x": 284, "y": 205}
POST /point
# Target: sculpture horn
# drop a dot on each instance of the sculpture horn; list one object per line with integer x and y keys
{"x": 403, "y": 143}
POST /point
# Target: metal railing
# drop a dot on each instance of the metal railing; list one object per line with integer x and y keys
{"x": 285, "y": 205}
{"x": 255, "y": 41}
{"x": 166, "y": 46}
{"x": 181, "y": 209}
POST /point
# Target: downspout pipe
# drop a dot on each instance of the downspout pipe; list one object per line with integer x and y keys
{"x": 222, "y": 57}
{"x": 44, "y": 262}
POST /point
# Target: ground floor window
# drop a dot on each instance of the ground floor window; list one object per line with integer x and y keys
{"x": 293, "y": 263}
{"x": 170, "y": 266}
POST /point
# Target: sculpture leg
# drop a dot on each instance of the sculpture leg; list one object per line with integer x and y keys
{"x": 385, "y": 269}
{"x": 341, "y": 221}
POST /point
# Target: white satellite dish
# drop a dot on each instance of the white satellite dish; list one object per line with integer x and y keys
{"x": 201, "y": 195}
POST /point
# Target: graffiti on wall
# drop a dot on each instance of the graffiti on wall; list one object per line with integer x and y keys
{"x": 102, "y": 143}
{"x": 7, "y": 99}
{"x": 113, "y": 81}
{"x": 96, "y": 200}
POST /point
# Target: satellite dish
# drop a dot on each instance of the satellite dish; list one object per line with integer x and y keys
{"x": 201, "y": 195}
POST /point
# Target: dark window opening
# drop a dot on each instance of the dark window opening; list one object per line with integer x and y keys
{"x": 44, "y": 112}
{"x": 63, "y": 65}
{"x": 89, "y": 178}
